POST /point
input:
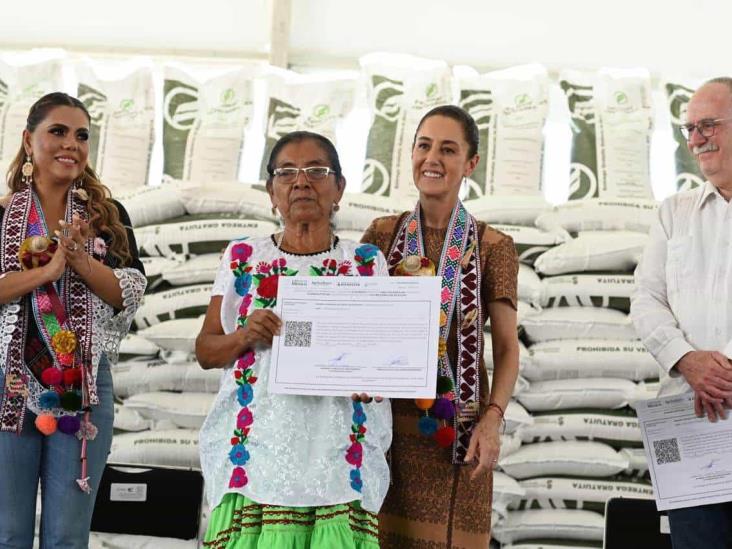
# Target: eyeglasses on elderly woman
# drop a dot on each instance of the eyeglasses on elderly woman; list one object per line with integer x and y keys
{"x": 288, "y": 176}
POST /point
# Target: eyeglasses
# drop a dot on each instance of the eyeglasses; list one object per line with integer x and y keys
{"x": 706, "y": 127}
{"x": 288, "y": 176}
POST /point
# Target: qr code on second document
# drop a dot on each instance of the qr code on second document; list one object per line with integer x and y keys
{"x": 667, "y": 451}
{"x": 298, "y": 333}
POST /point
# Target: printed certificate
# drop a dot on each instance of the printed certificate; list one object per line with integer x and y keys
{"x": 344, "y": 335}
{"x": 689, "y": 458}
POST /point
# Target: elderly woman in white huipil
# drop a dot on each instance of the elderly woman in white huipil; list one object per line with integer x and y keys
{"x": 283, "y": 470}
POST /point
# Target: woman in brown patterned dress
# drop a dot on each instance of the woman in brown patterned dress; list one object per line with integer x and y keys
{"x": 442, "y": 477}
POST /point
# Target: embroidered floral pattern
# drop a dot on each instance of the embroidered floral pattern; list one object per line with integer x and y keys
{"x": 365, "y": 259}
{"x": 266, "y": 281}
{"x": 354, "y": 453}
{"x": 331, "y": 267}
{"x": 238, "y": 478}
{"x": 243, "y": 372}
{"x": 258, "y": 287}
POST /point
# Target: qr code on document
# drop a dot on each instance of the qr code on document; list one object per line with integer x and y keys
{"x": 666, "y": 450}
{"x": 298, "y": 333}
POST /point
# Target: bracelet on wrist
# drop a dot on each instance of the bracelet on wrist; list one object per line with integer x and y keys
{"x": 497, "y": 408}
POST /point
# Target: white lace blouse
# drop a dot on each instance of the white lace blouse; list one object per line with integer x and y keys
{"x": 297, "y": 451}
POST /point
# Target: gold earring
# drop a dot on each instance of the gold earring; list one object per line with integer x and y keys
{"x": 27, "y": 170}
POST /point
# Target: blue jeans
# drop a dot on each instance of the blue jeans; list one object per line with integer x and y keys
{"x": 702, "y": 527}
{"x": 66, "y": 511}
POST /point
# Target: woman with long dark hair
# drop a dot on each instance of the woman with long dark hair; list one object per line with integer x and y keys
{"x": 70, "y": 282}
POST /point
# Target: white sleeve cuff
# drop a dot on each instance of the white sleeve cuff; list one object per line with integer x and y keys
{"x": 728, "y": 350}
{"x": 671, "y": 353}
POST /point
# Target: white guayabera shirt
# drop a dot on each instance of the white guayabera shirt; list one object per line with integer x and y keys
{"x": 683, "y": 296}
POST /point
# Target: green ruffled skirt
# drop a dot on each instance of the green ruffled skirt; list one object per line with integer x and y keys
{"x": 239, "y": 523}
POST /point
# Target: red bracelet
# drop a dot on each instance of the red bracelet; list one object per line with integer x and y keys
{"x": 497, "y": 407}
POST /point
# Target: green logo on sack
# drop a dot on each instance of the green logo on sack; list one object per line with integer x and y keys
{"x": 522, "y": 100}
{"x": 522, "y": 104}
{"x": 621, "y": 98}
{"x": 126, "y": 105}
{"x": 126, "y": 110}
{"x": 321, "y": 111}
{"x": 228, "y": 97}
{"x": 432, "y": 97}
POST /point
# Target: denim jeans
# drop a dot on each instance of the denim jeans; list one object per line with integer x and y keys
{"x": 53, "y": 460}
{"x": 702, "y": 527}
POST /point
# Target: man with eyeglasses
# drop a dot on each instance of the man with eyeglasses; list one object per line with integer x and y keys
{"x": 682, "y": 305}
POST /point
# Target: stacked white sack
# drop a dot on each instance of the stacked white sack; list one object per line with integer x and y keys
{"x": 151, "y": 205}
{"x": 197, "y": 235}
{"x": 584, "y": 365}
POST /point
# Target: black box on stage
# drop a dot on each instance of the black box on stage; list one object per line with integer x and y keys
{"x": 149, "y": 501}
{"x": 635, "y": 524}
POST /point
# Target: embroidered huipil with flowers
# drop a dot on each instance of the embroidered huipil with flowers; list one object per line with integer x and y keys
{"x": 290, "y": 450}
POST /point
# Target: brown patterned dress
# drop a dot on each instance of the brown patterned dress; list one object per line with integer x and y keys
{"x": 432, "y": 503}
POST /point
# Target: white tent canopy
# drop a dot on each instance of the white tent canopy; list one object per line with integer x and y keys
{"x": 321, "y": 35}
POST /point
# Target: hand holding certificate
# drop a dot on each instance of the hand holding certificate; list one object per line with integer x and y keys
{"x": 345, "y": 335}
{"x": 689, "y": 458}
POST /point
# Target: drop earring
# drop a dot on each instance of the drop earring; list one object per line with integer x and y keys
{"x": 27, "y": 171}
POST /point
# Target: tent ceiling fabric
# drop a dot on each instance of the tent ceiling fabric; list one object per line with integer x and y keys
{"x": 211, "y": 28}
{"x": 486, "y": 34}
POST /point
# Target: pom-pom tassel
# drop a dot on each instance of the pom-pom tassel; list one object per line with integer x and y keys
{"x": 84, "y": 485}
{"x": 69, "y": 425}
{"x": 427, "y": 426}
{"x": 83, "y": 482}
{"x": 444, "y": 385}
{"x": 424, "y": 404}
{"x": 46, "y": 424}
{"x": 445, "y": 436}
{"x": 87, "y": 431}
{"x": 51, "y": 376}
{"x": 443, "y": 409}
{"x": 49, "y": 400}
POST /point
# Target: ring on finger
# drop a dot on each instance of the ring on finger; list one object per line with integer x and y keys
{"x": 72, "y": 247}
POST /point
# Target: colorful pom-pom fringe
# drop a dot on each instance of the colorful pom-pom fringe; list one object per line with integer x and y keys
{"x": 427, "y": 426}
{"x": 445, "y": 436}
{"x": 51, "y": 376}
{"x": 443, "y": 409}
{"x": 72, "y": 377}
{"x": 424, "y": 404}
{"x": 46, "y": 424}
{"x": 49, "y": 400}
{"x": 71, "y": 401}
{"x": 69, "y": 424}
{"x": 444, "y": 385}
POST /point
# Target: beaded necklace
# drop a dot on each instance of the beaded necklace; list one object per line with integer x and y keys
{"x": 63, "y": 315}
{"x": 457, "y": 397}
